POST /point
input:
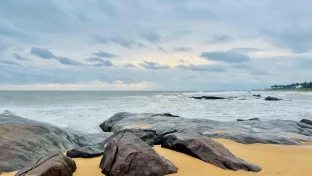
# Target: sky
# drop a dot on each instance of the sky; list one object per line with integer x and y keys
{"x": 182, "y": 45}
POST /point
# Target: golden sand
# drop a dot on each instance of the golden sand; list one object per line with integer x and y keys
{"x": 275, "y": 160}
{"x": 141, "y": 125}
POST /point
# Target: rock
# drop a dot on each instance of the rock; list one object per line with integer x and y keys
{"x": 128, "y": 155}
{"x": 269, "y": 98}
{"x": 257, "y": 95}
{"x": 209, "y": 98}
{"x": 253, "y": 119}
{"x": 7, "y": 112}
{"x": 54, "y": 164}
{"x": 246, "y": 132}
{"x": 206, "y": 150}
{"x": 24, "y": 141}
{"x": 85, "y": 152}
{"x": 306, "y": 121}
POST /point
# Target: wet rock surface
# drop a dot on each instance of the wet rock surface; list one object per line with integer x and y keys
{"x": 24, "y": 141}
{"x": 54, "y": 164}
{"x": 205, "y": 149}
{"x": 209, "y": 98}
{"x": 246, "y": 132}
{"x": 253, "y": 119}
{"x": 127, "y": 155}
{"x": 269, "y": 98}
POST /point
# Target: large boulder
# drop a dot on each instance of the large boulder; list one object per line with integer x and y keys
{"x": 24, "y": 141}
{"x": 247, "y": 132}
{"x": 207, "y": 150}
{"x": 54, "y": 164}
{"x": 128, "y": 155}
{"x": 85, "y": 152}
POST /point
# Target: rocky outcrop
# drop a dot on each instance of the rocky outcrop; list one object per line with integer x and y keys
{"x": 55, "y": 164}
{"x": 247, "y": 132}
{"x": 23, "y": 141}
{"x": 269, "y": 98}
{"x": 209, "y": 98}
{"x": 253, "y": 119}
{"x": 306, "y": 121}
{"x": 128, "y": 155}
{"x": 85, "y": 152}
{"x": 257, "y": 95}
{"x": 205, "y": 149}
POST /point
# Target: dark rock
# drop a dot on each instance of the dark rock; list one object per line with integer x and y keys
{"x": 269, "y": 98}
{"x": 306, "y": 121}
{"x": 54, "y": 164}
{"x": 128, "y": 155}
{"x": 247, "y": 132}
{"x": 166, "y": 114}
{"x": 209, "y": 98}
{"x": 253, "y": 119}
{"x": 257, "y": 95}
{"x": 85, "y": 152}
{"x": 24, "y": 141}
{"x": 207, "y": 150}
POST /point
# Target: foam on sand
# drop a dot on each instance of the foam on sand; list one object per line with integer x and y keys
{"x": 275, "y": 160}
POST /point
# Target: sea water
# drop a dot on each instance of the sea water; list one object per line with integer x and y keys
{"x": 85, "y": 110}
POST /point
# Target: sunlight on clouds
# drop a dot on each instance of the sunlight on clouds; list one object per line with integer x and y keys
{"x": 94, "y": 85}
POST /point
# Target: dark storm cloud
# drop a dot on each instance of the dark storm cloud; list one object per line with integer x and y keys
{"x": 99, "y": 62}
{"x": 19, "y": 57}
{"x": 153, "y": 65}
{"x": 42, "y": 53}
{"x": 203, "y": 68}
{"x": 225, "y": 56}
{"x": 105, "y": 55}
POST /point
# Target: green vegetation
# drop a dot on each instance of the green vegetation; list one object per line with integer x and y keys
{"x": 294, "y": 86}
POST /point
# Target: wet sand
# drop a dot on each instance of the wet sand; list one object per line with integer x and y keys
{"x": 275, "y": 160}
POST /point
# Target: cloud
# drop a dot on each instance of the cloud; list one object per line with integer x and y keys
{"x": 130, "y": 66}
{"x": 296, "y": 39}
{"x": 225, "y": 56}
{"x": 104, "y": 54}
{"x": 42, "y": 53}
{"x": 67, "y": 61}
{"x": 151, "y": 36}
{"x": 246, "y": 50}
{"x": 182, "y": 49}
{"x": 126, "y": 43}
{"x": 222, "y": 38}
{"x": 100, "y": 62}
{"x": 153, "y": 65}
{"x": 10, "y": 63}
{"x": 19, "y": 57}
{"x": 202, "y": 68}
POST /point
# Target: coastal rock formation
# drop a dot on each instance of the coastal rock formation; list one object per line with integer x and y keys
{"x": 205, "y": 149}
{"x": 306, "y": 121}
{"x": 209, "y": 98}
{"x": 284, "y": 132}
{"x": 128, "y": 155}
{"x": 85, "y": 152}
{"x": 269, "y": 98}
{"x": 24, "y": 141}
{"x": 55, "y": 164}
{"x": 253, "y": 119}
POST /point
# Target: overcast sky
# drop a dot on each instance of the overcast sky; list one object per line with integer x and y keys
{"x": 154, "y": 44}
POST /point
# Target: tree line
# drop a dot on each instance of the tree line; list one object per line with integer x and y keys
{"x": 304, "y": 85}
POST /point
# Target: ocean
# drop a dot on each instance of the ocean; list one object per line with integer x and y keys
{"x": 85, "y": 110}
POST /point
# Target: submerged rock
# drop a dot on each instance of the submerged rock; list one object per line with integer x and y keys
{"x": 24, "y": 141}
{"x": 85, "y": 152}
{"x": 207, "y": 150}
{"x": 209, "y": 98}
{"x": 269, "y": 98}
{"x": 257, "y": 95}
{"x": 252, "y": 119}
{"x": 54, "y": 164}
{"x": 128, "y": 155}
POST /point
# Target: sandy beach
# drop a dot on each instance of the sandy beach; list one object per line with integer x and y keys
{"x": 274, "y": 160}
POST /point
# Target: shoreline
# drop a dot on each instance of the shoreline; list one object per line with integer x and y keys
{"x": 283, "y": 160}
